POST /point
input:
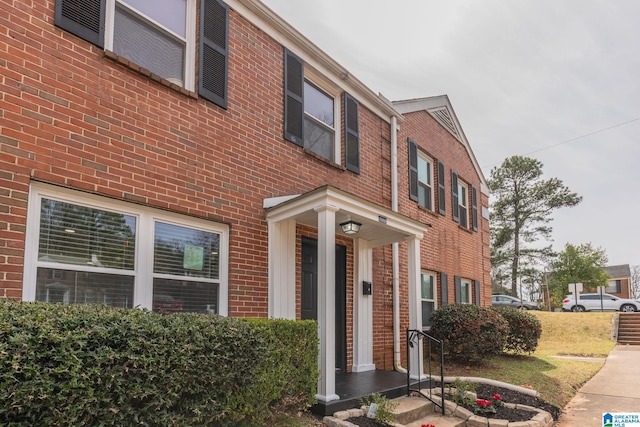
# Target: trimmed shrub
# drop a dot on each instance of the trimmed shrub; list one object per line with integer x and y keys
{"x": 524, "y": 330}
{"x": 468, "y": 332}
{"x": 96, "y": 365}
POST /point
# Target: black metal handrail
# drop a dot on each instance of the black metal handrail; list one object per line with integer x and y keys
{"x": 414, "y": 339}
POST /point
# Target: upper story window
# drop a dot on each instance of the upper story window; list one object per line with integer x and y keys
{"x": 159, "y": 36}
{"x": 312, "y": 113}
{"x": 464, "y": 207}
{"x": 85, "y": 249}
{"x": 422, "y": 187}
{"x": 156, "y": 38}
{"x": 425, "y": 181}
{"x": 463, "y": 204}
{"x": 319, "y": 129}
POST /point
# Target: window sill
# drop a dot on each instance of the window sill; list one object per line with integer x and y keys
{"x": 323, "y": 159}
{"x": 426, "y": 210}
{"x": 156, "y": 78}
{"x": 468, "y": 230}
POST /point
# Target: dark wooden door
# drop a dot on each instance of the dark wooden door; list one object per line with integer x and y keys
{"x": 309, "y": 294}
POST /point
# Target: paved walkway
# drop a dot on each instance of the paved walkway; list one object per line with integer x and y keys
{"x": 615, "y": 388}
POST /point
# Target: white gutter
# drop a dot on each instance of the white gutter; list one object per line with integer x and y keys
{"x": 395, "y": 257}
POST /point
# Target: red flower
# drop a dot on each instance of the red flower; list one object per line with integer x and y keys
{"x": 427, "y": 425}
{"x": 497, "y": 397}
{"x": 483, "y": 403}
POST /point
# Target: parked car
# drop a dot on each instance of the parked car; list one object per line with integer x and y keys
{"x": 508, "y": 300}
{"x": 591, "y": 302}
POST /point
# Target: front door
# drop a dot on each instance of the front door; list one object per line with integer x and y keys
{"x": 309, "y": 294}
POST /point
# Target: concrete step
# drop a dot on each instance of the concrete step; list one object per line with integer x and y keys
{"x": 629, "y": 329}
{"x": 629, "y": 342}
{"x": 411, "y": 408}
{"x": 438, "y": 420}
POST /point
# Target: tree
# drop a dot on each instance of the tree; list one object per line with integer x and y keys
{"x": 578, "y": 264}
{"x": 635, "y": 281}
{"x": 521, "y": 213}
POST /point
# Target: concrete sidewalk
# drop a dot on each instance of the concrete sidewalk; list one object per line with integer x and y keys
{"x": 615, "y": 388}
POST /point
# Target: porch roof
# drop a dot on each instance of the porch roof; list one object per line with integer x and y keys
{"x": 380, "y": 225}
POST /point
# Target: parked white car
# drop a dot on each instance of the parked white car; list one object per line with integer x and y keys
{"x": 591, "y": 302}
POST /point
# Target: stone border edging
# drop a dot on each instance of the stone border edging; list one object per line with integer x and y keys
{"x": 541, "y": 419}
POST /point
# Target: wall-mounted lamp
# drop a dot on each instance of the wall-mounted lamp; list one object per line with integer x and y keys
{"x": 350, "y": 227}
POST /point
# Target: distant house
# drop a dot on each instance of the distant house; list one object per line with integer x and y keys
{"x": 205, "y": 156}
{"x": 619, "y": 280}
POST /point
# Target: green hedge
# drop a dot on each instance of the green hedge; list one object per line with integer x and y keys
{"x": 524, "y": 330}
{"x": 96, "y": 365}
{"x": 469, "y": 332}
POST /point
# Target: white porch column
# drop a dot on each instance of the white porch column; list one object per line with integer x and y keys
{"x": 415, "y": 301}
{"x": 362, "y": 308}
{"x": 327, "y": 302}
{"x": 282, "y": 269}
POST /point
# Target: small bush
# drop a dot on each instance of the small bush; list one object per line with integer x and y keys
{"x": 469, "y": 332}
{"x": 463, "y": 392}
{"x": 96, "y": 365}
{"x": 524, "y": 330}
{"x": 385, "y": 407}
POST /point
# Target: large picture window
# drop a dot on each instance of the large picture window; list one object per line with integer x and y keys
{"x": 87, "y": 249}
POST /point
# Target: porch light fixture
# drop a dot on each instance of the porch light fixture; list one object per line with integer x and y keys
{"x": 350, "y": 227}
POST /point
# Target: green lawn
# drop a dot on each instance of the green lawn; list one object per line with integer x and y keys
{"x": 556, "y": 379}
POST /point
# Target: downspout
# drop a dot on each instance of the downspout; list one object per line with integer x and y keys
{"x": 395, "y": 259}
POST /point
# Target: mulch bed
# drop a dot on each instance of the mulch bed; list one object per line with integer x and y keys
{"x": 485, "y": 391}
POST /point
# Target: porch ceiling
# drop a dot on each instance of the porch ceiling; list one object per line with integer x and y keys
{"x": 380, "y": 225}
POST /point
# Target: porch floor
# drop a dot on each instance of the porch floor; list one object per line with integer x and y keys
{"x": 353, "y": 386}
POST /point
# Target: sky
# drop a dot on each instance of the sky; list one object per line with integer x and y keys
{"x": 553, "y": 80}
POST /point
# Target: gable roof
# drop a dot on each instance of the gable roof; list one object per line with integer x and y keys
{"x": 616, "y": 271}
{"x": 440, "y": 108}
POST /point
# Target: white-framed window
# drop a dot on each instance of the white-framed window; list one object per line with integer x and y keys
{"x": 465, "y": 291}
{"x": 425, "y": 181}
{"x": 463, "y": 203}
{"x": 320, "y": 121}
{"x": 428, "y": 296}
{"x": 87, "y": 249}
{"x": 614, "y": 287}
{"x": 158, "y": 37}
{"x": 314, "y": 114}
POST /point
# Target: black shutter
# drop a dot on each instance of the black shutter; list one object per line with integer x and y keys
{"x": 442, "y": 204}
{"x": 214, "y": 53}
{"x": 474, "y": 208}
{"x": 444, "y": 289}
{"x": 352, "y": 135}
{"x": 476, "y": 289}
{"x": 455, "y": 208}
{"x": 457, "y": 289}
{"x": 413, "y": 170}
{"x": 293, "y": 98}
{"x": 84, "y": 18}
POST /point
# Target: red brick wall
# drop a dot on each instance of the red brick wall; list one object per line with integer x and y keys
{"x": 74, "y": 117}
{"x": 446, "y": 247}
